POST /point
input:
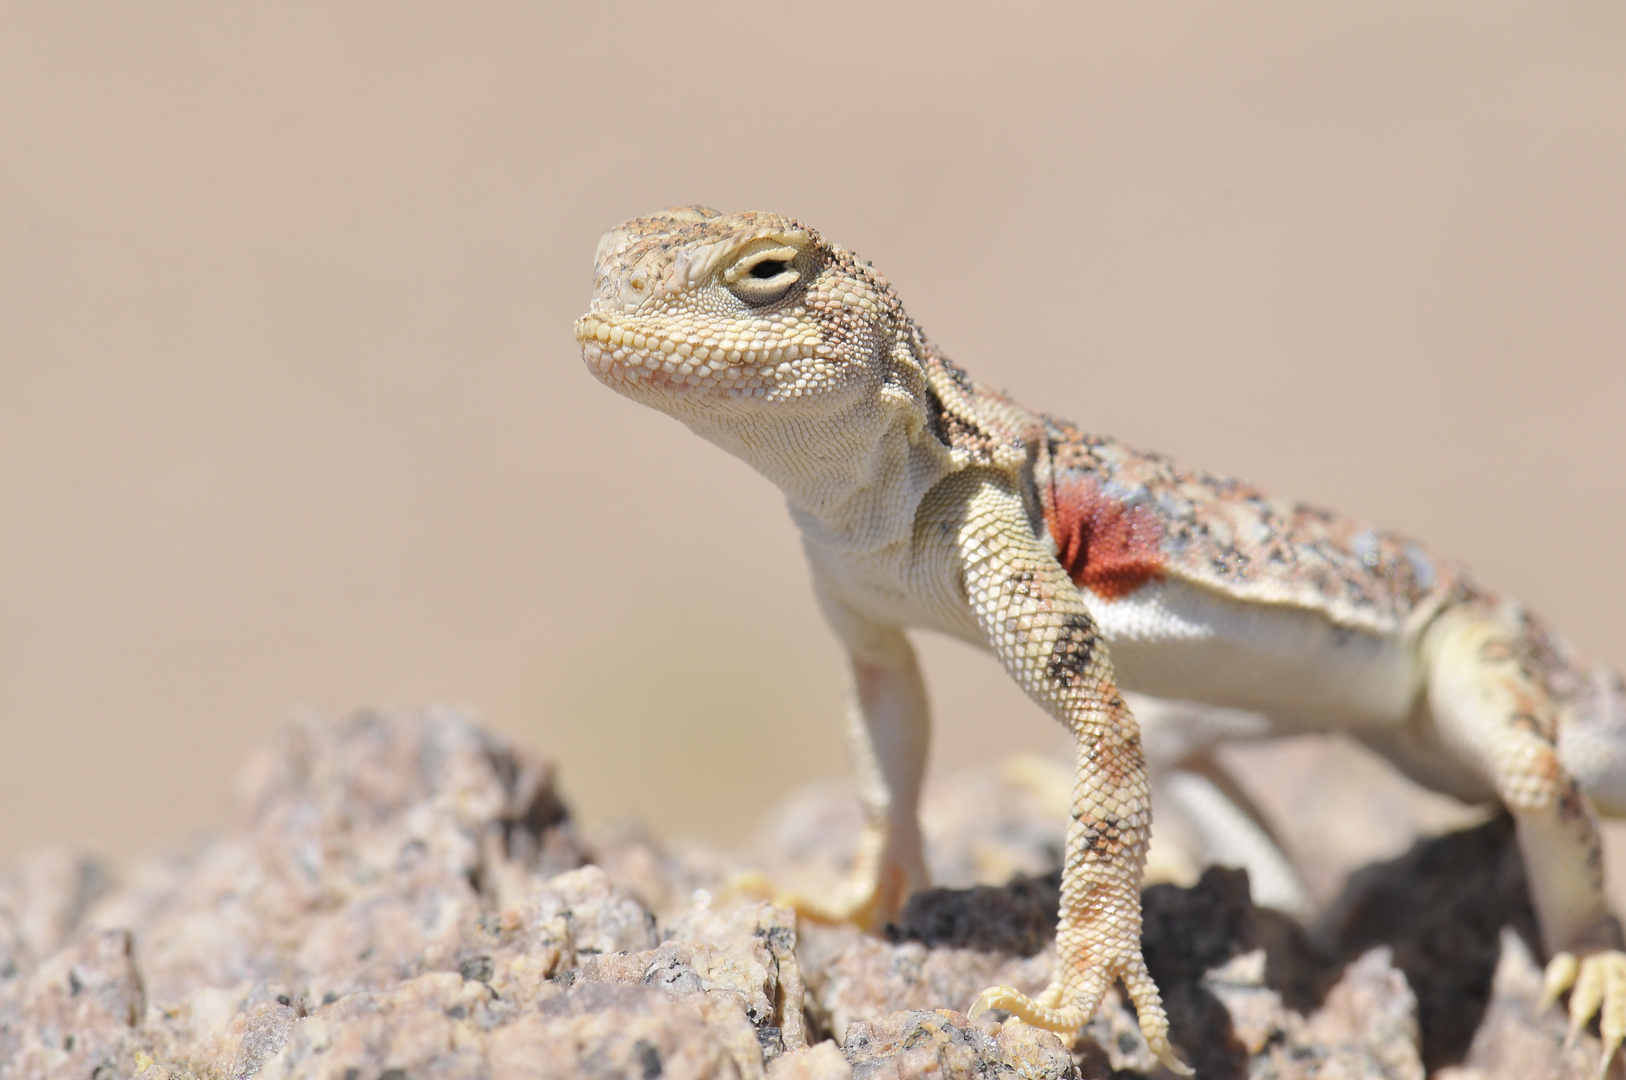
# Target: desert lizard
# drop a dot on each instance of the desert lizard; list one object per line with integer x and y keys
{"x": 927, "y": 500}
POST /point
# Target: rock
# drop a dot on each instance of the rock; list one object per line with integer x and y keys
{"x": 1204, "y": 947}
{"x": 406, "y": 893}
{"x": 871, "y": 978}
{"x": 982, "y": 827}
{"x": 76, "y": 1014}
{"x": 1441, "y": 907}
{"x": 407, "y": 897}
{"x": 42, "y": 900}
{"x": 1018, "y": 917}
{"x": 947, "y": 946}
{"x": 915, "y": 1043}
{"x": 1514, "y": 1039}
{"x": 822, "y": 1062}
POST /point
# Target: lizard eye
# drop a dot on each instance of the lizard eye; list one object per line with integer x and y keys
{"x": 763, "y": 276}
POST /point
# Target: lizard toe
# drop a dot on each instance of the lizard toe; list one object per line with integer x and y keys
{"x": 1559, "y": 977}
{"x": 1063, "y": 1021}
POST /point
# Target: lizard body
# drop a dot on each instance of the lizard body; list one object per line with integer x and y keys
{"x": 926, "y": 500}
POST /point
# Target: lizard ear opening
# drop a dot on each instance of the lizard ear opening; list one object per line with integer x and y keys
{"x": 763, "y": 276}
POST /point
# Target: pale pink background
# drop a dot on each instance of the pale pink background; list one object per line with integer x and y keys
{"x": 290, "y": 412}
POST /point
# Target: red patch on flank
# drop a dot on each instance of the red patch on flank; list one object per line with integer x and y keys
{"x": 1106, "y": 547}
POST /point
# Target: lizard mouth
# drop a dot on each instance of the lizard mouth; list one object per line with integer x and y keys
{"x": 619, "y": 353}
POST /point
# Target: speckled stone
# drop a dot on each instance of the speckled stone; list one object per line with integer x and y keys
{"x": 406, "y": 897}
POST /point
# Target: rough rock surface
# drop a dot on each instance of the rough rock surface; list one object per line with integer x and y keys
{"x": 408, "y": 897}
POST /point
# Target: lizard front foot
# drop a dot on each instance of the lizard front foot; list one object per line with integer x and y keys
{"x": 1597, "y": 985}
{"x": 871, "y": 896}
{"x": 1047, "y": 1011}
{"x": 868, "y": 903}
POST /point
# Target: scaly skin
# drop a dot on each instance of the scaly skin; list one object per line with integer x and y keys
{"x": 925, "y": 500}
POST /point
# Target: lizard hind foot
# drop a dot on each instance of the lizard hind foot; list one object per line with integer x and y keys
{"x": 1597, "y": 985}
{"x": 1063, "y": 1021}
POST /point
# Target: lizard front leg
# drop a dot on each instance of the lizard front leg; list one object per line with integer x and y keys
{"x": 887, "y": 738}
{"x": 1493, "y": 710}
{"x": 1039, "y": 627}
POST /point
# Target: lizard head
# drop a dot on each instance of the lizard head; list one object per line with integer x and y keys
{"x": 698, "y": 313}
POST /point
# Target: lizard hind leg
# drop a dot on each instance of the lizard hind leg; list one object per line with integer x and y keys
{"x": 1492, "y": 707}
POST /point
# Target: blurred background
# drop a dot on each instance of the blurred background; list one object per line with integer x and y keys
{"x": 290, "y": 413}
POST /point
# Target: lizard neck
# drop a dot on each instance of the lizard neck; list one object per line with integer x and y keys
{"x": 853, "y": 473}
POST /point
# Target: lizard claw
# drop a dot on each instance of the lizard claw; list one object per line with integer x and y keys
{"x": 1559, "y": 977}
{"x": 1597, "y": 986}
{"x": 995, "y": 997}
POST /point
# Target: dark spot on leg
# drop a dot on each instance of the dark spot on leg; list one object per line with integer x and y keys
{"x": 1103, "y": 840}
{"x": 1073, "y": 652}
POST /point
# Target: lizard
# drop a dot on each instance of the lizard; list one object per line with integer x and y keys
{"x": 925, "y": 500}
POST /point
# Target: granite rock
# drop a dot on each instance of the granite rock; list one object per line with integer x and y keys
{"x": 915, "y": 1043}
{"x": 407, "y": 896}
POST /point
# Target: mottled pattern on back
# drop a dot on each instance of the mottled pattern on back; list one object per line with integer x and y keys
{"x": 1216, "y": 531}
{"x": 1122, "y": 517}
